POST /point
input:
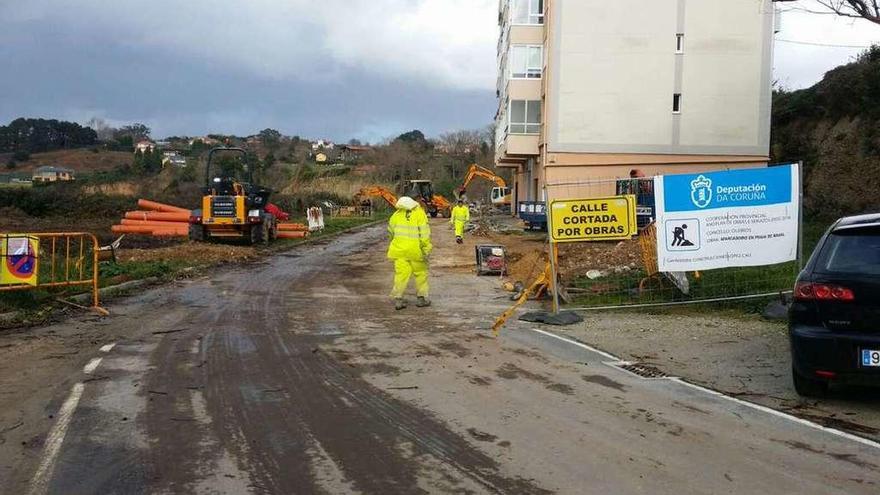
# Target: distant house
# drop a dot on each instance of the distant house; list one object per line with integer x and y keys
{"x": 144, "y": 146}
{"x": 175, "y": 160}
{"x": 53, "y": 174}
{"x": 350, "y": 152}
{"x": 322, "y": 144}
{"x": 208, "y": 141}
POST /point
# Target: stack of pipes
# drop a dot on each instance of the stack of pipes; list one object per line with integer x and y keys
{"x": 155, "y": 219}
{"x": 162, "y": 220}
{"x": 292, "y": 230}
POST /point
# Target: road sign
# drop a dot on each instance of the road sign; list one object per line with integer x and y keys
{"x": 594, "y": 219}
{"x": 747, "y": 217}
{"x": 19, "y": 260}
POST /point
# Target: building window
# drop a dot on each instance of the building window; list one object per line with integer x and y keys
{"x": 676, "y": 103}
{"x": 527, "y": 11}
{"x": 679, "y": 43}
{"x": 526, "y": 61}
{"x": 525, "y": 117}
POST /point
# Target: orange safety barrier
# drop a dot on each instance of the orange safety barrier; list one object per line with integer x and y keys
{"x": 161, "y": 207}
{"x": 70, "y": 251}
{"x": 157, "y": 216}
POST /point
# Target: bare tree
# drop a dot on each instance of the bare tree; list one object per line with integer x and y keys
{"x": 856, "y": 9}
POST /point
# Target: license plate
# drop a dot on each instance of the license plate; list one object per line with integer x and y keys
{"x": 870, "y": 358}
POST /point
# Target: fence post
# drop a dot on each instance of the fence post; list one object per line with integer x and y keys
{"x": 554, "y": 283}
{"x": 800, "y": 252}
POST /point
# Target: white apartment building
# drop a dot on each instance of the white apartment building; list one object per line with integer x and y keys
{"x": 596, "y": 88}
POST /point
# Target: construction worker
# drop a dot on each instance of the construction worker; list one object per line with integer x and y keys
{"x": 461, "y": 215}
{"x": 409, "y": 248}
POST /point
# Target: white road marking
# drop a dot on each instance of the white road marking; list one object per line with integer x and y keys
{"x": 40, "y": 481}
{"x": 108, "y": 347}
{"x": 715, "y": 393}
{"x": 90, "y": 367}
{"x": 780, "y": 414}
{"x": 578, "y": 344}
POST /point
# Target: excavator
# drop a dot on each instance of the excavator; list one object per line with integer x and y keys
{"x": 500, "y": 195}
{"x": 378, "y": 192}
{"x": 420, "y": 190}
{"x": 435, "y": 204}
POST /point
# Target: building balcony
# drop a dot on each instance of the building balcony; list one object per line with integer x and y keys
{"x": 522, "y": 89}
{"x": 515, "y": 149}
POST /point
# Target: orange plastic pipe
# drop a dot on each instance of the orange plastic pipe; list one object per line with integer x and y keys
{"x": 154, "y": 206}
{"x": 144, "y": 229}
{"x": 154, "y": 223}
{"x": 170, "y": 233}
{"x": 292, "y": 227}
{"x": 157, "y": 216}
{"x": 131, "y": 229}
{"x": 291, "y": 235}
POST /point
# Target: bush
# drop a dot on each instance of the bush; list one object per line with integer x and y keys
{"x": 21, "y": 156}
{"x": 64, "y": 199}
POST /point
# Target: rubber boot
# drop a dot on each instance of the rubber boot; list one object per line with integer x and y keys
{"x": 423, "y": 302}
{"x": 399, "y": 304}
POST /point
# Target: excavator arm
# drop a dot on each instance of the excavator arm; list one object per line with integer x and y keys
{"x": 500, "y": 194}
{"x": 482, "y": 172}
{"x": 378, "y": 192}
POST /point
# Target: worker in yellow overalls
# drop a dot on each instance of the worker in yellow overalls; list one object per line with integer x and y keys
{"x": 409, "y": 248}
{"x": 461, "y": 215}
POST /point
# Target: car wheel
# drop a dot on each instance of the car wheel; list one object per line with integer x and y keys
{"x": 808, "y": 387}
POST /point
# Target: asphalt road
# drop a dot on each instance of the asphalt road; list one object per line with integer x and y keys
{"x": 296, "y": 375}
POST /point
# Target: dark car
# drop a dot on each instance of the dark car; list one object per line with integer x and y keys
{"x": 834, "y": 320}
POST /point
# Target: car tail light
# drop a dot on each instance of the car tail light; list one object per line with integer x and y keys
{"x": 823, "y": 292}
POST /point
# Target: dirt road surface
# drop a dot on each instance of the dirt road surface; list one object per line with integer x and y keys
{"x": 296, "y": 375}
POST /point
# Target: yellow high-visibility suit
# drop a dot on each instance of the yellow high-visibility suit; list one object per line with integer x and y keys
{"x": 409, "y": 247}
{"x": 461, "y": 215}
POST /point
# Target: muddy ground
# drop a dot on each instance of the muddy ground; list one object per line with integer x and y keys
{"x": 743, "y": 356}
{"x": 294, "y": 374}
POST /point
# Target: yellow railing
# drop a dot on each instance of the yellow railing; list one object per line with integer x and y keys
{"x": 63, "y": 259}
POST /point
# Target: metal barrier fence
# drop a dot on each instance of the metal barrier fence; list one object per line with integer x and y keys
{"x": 624, "y": 274}
{"x": 50, "y": 260}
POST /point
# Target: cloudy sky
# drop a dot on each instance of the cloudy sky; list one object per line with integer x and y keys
{"x": 334, "y": 68}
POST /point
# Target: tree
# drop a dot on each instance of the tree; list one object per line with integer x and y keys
{"x": 857, "y": 9}
{"x": 104, "y": 131}
{"x": 137, "y": 132}
{"x": 40, "y": 135}
{"x": 269, "y": 160}
{"x": 354, "y": 142}
{"x": 270, "y": 138}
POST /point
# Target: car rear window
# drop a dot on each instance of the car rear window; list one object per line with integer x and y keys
{"x": 851, "y": 251}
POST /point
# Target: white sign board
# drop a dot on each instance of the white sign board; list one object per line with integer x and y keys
{"x": 745, "y": 217}
{"x": 316, "y": 218}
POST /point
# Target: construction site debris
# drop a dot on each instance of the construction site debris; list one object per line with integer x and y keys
{"x": 563, "y": 318}
{"x": 598, "y": 259}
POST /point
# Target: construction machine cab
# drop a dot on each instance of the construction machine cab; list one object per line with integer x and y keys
{"x": 232, "y": 205}
{"x": 423, "y": 191}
